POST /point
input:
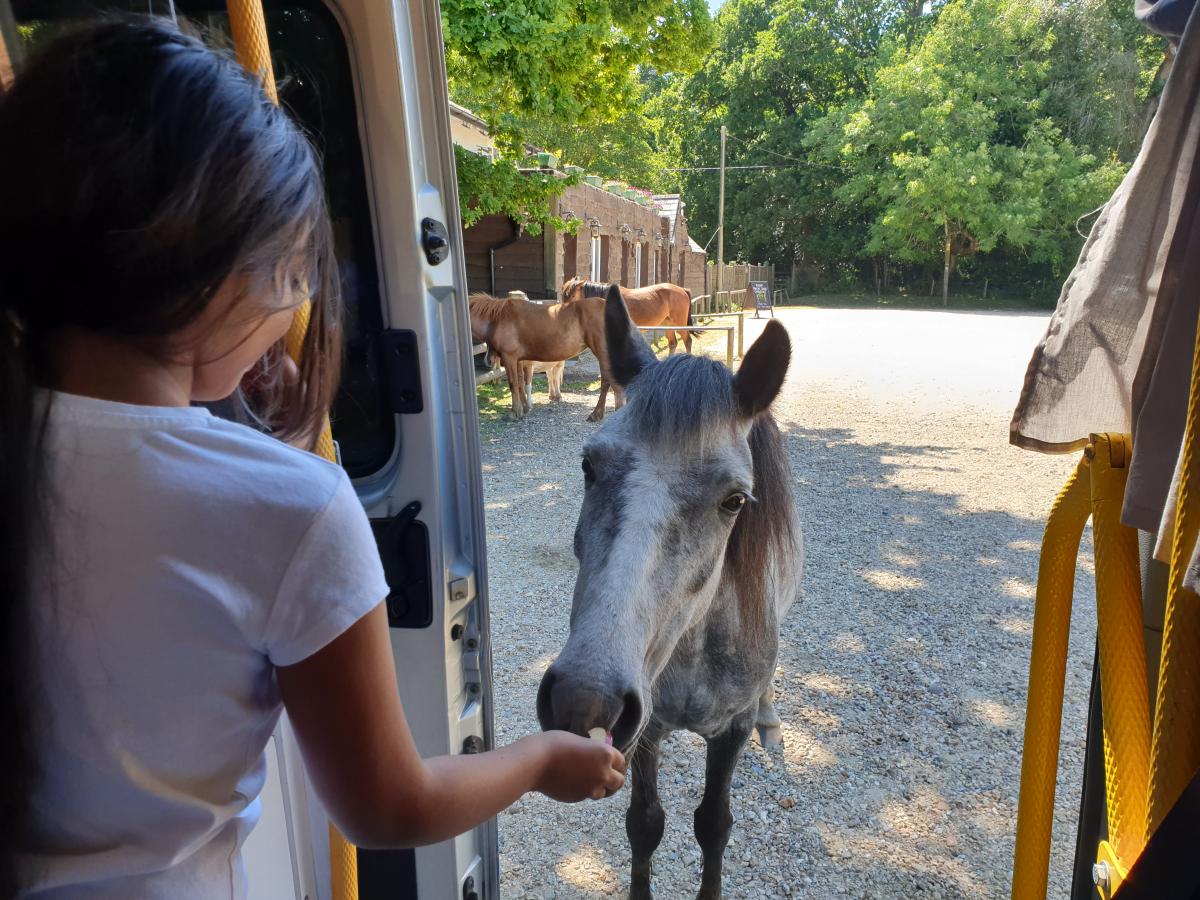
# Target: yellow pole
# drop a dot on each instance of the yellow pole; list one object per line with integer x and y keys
{"x": 248, "y": 25}
{"x": 1047, "y": 670}
{"x": 1175, "y": 757}
{"x": 1122, "y": 656}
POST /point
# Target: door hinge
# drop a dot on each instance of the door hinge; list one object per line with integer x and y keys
{"x": 472, "y": 652}
{"x": 402, "y": 368}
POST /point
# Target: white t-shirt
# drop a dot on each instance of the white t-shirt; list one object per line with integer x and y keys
{"x": 191, "y": 556}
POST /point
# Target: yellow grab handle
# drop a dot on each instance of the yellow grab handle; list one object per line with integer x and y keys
{"x": 248, "y": 25}
{"x": 1047, "y": 670}
{"x": 1122, "y": 656}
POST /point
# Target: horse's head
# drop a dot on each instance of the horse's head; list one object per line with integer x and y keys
{"x": 572, "y": 288}
{"x": 665, "y": 481}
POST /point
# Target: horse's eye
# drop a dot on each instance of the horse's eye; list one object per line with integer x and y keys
{"x": 734, "y": 502}
{"x": 589, "y": 474}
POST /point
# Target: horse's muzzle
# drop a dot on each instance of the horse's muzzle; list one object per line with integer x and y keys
{"x": 572, "y": 703}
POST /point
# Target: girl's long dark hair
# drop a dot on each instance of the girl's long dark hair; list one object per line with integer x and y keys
{"x": 139, "y": 170}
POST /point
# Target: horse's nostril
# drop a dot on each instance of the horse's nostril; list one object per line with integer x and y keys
{"x": 545, "y": 705}
{"x": 629, "y": 720}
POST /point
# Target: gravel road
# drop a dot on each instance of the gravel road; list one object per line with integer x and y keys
{"x": 902, "y": 670}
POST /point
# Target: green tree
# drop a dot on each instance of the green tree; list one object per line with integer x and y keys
{"x": 564, "y": 75}
{"x": 567, "y": 60}
{"x": 779, "y": 66}
{"x": 952, "y": 151}
{"x": 489, "y": 186}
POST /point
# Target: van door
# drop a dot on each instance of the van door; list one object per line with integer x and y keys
{"x": 368, "y": 82}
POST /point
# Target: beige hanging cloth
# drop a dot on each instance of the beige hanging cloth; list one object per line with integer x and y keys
{"x": 1082, "y": 375}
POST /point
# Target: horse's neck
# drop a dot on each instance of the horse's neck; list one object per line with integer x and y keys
{"x": 483, "y": 328}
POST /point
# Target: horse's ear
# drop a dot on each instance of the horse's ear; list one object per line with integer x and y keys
{"x": 628, "y": 353}
{"x": 761, "y": 375}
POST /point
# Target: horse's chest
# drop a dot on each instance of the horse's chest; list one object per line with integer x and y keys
{"x": 708, "y": 681}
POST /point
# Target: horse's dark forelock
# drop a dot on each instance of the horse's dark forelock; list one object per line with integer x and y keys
{"x": 680, "y": 401}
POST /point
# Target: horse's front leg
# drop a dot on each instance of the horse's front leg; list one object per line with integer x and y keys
{"x": 714, "y": 819}
{"x": 598, "y": 413}
{"x": 618, "y": 396}
{"x": 527, "y": 380}
{"x": 644, "y": 820}
{"x": 516, "y": 384}
{"x": 767, "y": 721}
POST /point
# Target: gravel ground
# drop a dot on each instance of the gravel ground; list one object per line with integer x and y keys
{"x": 902, "y": 670}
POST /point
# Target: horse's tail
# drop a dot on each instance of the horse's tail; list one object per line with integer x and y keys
{"x": 691, "y": 319}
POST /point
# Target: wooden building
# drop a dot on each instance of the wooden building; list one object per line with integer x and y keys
{"x": 617, "y": 239}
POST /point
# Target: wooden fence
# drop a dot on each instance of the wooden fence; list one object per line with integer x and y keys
{"x": 735, "y": 278}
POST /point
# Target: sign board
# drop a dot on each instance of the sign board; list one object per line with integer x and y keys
{"x": 762, "y": 297}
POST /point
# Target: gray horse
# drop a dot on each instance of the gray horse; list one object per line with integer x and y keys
{"x": 690, "y": 554}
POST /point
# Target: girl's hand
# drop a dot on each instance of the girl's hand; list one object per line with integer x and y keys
{"x": 577, "y": 768}
{"x": 358, "y": 750}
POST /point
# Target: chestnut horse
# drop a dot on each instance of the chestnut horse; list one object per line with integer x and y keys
{"x": 656, "y": 304}
{"x": 518, "y": 330}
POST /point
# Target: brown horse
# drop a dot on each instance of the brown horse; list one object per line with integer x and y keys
{"x": 517, "y": 330}
{"x": 655, "y": 304}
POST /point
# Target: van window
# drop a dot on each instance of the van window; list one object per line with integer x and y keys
{"x": 312, "y": 67}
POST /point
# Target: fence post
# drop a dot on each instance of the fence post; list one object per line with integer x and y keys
{"x": 741, "y": 331}
{"x": 729, "y": 347}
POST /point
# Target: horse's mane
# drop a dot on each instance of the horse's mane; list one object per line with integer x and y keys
{"x": 493, "y": 309}
{"x": 683, "y": 399}
{"x": 765, "y": 526}
{"x": 590, "y": 288}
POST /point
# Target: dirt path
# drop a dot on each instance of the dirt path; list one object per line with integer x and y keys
{"x": 902, "y": 670}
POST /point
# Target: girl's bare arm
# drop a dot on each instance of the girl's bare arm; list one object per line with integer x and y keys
{"x": 345, "y": 708}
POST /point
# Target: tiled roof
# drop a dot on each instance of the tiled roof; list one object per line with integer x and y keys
{"x": 693, "y": 246}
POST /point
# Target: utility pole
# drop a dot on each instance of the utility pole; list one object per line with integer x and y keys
{"x": 721, "y": 218}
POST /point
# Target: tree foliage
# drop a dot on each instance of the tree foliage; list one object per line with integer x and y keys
{"x": 879, "y": 132}
{"x": 892, "y": 129}
{"x": 489, "y": 186}
{"x": 564, "y": 75}
{"x": 952, "y": 151}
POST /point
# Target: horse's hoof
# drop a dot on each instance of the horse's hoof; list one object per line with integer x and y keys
{"x": 770, "y": 736}
{"x": 595, "y": 416}
{"x": 640, "y": 892}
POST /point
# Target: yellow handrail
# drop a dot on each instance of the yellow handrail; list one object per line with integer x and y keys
{"x": 1122, "y": 655}
{"x": 248, "y": 25}
{"x": 1095, "y": 489}
{"x": 1047, "y": 668}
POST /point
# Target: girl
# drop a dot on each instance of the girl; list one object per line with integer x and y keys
{"x": 171, "y": 579}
